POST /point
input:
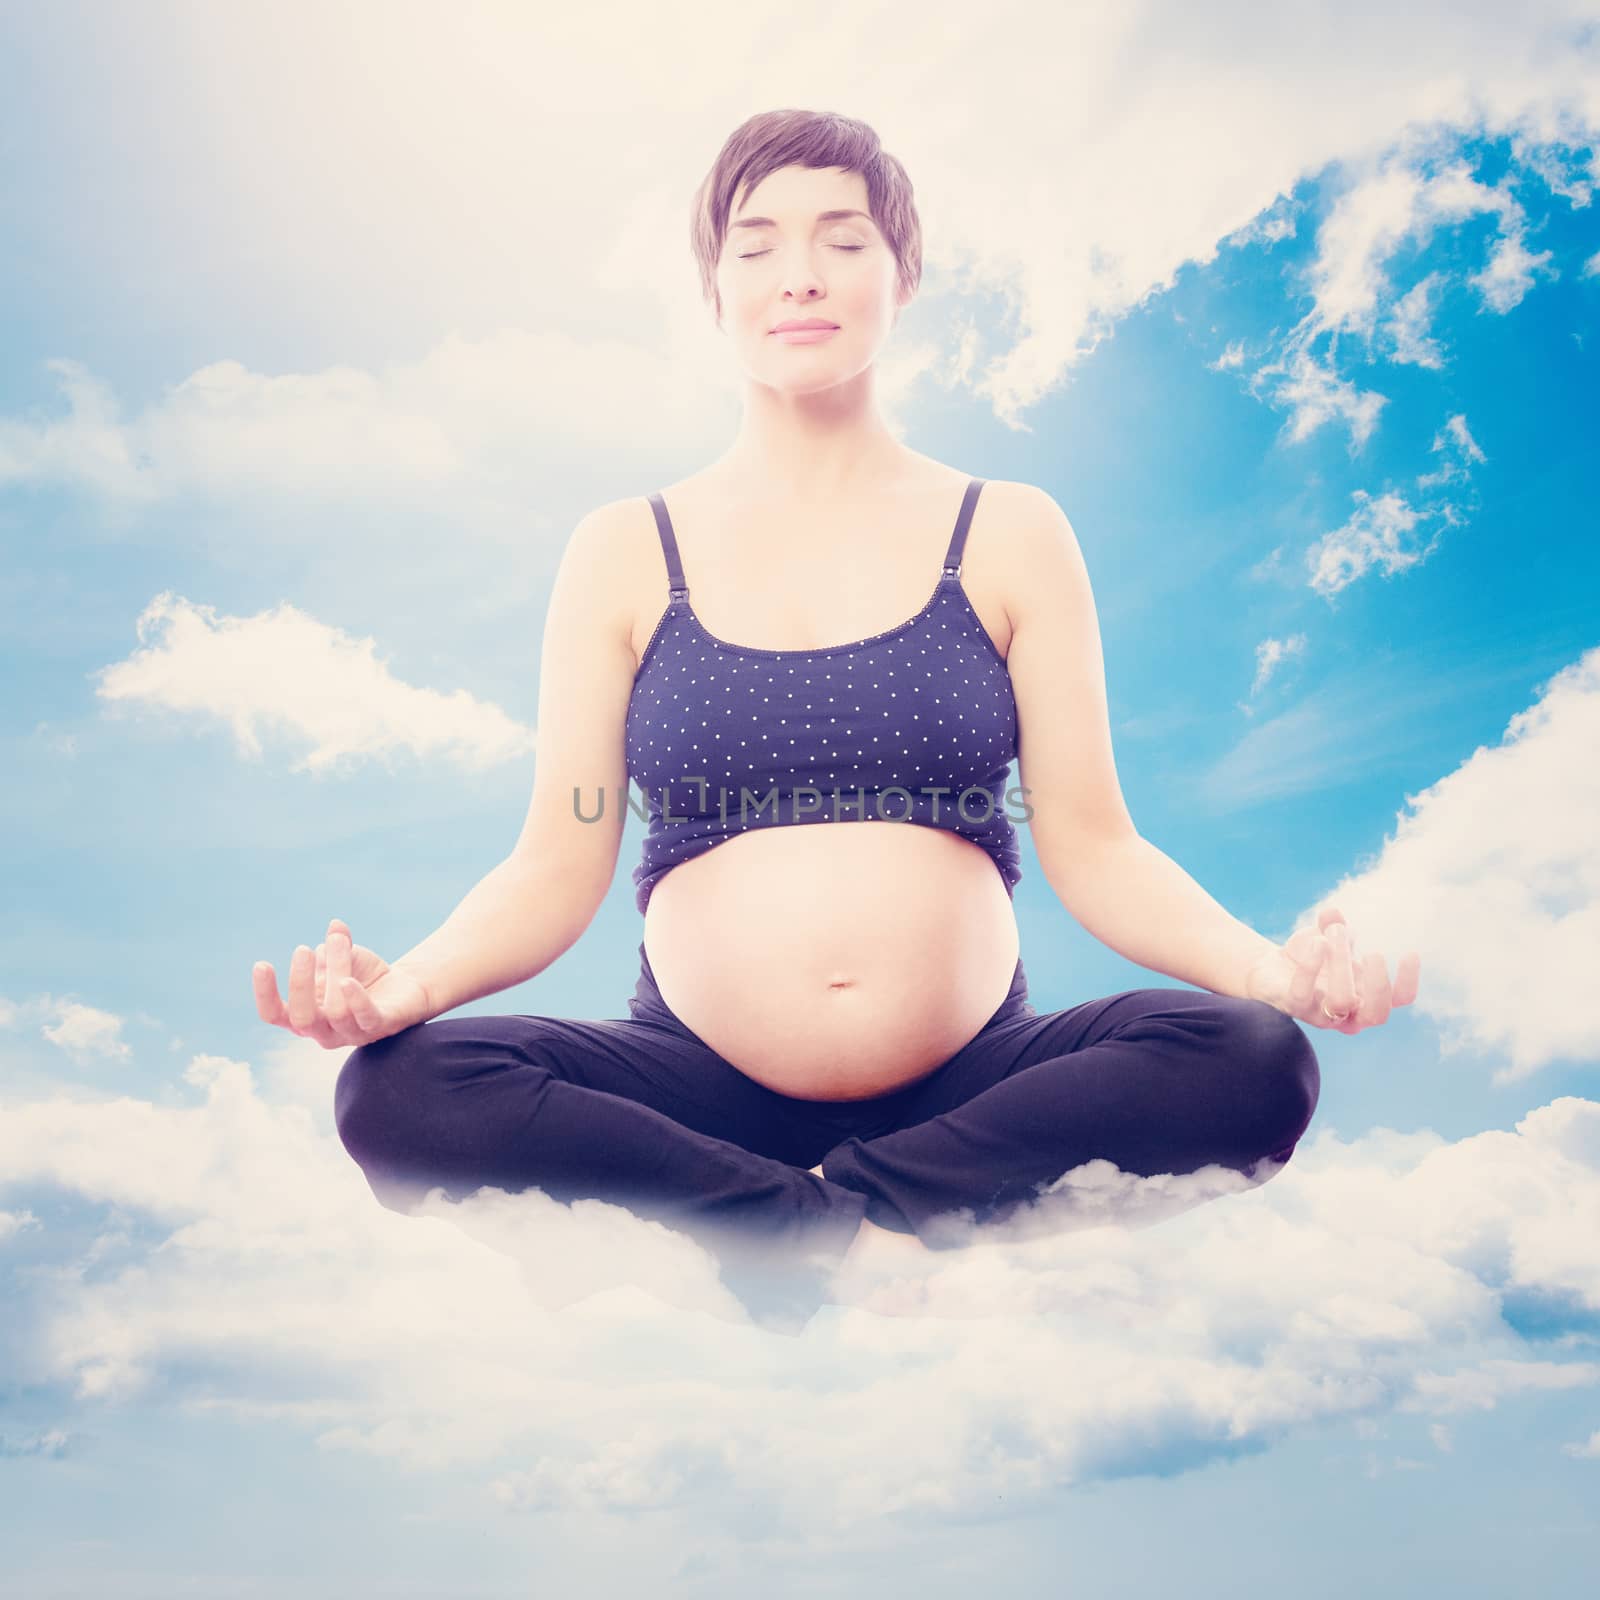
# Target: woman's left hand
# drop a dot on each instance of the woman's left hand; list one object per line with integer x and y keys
{"x": 1314, "y": 978}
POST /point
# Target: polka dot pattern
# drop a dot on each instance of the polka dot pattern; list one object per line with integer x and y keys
{"x": 916, "y": 724}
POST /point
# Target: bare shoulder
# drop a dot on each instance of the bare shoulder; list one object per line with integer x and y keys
{"x": 604, "y": 554}
{"x": 1020, "y": 514}
{"x": 612, "y": 528}
{"x": 1016, "y": 529}
{"x": 625, "y": 531}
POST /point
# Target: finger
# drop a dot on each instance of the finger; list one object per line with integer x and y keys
{"x": 1306, "y": 947}
{"x": 334, "y": 1006}
{"x": 1353, "y": 1019}
{"x": 1340, "y": 1016}
{"x": 1341, "y": 971}
{"x": 1376, "y": 997}
{"x": 1332, "y": 997}
{"x": 317, "y": 1033}
{"x": 1303, "y": 986}
{"x": 320, "y": 988}
{"x": 1406, "y": 978}
{"x": 359, "y": 958}
{"x": 363, "y": 1012}
{"x": 269, "y": 1003}
{"x": 302, "y": 991}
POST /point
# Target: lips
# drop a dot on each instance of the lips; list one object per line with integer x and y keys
{"x": 801, "y": 327}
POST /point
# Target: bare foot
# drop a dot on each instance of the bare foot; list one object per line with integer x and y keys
{"x": 872, "y": 1274}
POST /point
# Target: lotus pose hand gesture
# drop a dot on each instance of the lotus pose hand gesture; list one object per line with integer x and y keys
{"x": 341, "y": 993}
{"x": 1315, "y": 978}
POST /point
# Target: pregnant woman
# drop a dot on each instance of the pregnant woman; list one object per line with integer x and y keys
{"x": 830, "y": 1040}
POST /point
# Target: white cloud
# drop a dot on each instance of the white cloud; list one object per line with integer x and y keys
{"x": 1378, "y": 536}
{"x": 283, "y": 672}
{"x": 480, "y": 416}
{"x": 594, "y": 330}
{"x": 1315, "y": 393}
{"x": 1510, "y": 272}
{"x": 1457, "y": 448}
{"x": 1382, "y": 220}
{"x": 12, "y": 1222}
{"x": 1457, "y": 433}
{"x": 243, "y": 1243}
{"x": 1408, "y": 324}
{"x": 50, "y": 1442}
{"x": 1484, "y": 1387}
{"x": 1555, "y": 156}
{"x": 1271, "y": 654}
{"x": 1493, "y": 874}
{"x": 1401, "y": 205}
{"x": 84, "y": 1031}
{"x": 1232, "y": 357}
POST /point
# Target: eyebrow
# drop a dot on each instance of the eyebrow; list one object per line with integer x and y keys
{"x": 822, "y": 216}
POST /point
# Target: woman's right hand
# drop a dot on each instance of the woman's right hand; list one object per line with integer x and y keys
{"x": 340, "y": 993}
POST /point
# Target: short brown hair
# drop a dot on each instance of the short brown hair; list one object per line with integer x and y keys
{"x": 774, "y": 139}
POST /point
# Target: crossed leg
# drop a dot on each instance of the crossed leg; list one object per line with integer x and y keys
{"x": 647, "y": 1116}
{"x": 643, "y": 1115}
{"x": 1155, "y": 1081}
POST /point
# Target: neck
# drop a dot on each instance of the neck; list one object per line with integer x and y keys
{"x": 814, "y": 449}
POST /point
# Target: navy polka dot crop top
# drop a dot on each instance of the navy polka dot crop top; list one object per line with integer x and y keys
{"x": 916, "y": 724}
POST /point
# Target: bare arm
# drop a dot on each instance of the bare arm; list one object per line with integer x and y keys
{"x": 1120, "y": 887}
{"x": 536, "y": 904}
{"x": 511, "y": 925}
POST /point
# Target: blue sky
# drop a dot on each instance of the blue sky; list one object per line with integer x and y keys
{"x": 324, "y": 325}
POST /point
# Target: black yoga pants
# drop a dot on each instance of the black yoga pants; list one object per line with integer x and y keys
{"x": 641, "y": 1112}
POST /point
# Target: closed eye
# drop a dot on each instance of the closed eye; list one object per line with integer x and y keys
{"x": 751, "y": 255}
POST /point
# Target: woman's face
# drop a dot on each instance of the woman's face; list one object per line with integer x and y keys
{"x": 800, "y": 263}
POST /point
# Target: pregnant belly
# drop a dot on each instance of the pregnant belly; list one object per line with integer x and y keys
{"x": 838, "y": 960}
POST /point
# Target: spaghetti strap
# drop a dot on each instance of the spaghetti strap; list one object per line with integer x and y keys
{"x": 758, "y": 727}
{"x": 669, "y": 546}
{"x": 958, "y": 539}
